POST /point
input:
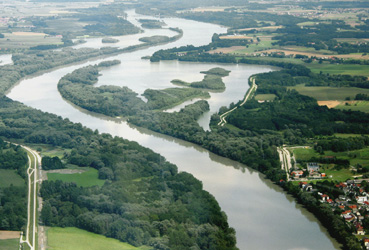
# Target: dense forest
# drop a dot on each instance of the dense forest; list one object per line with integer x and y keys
{"x": 13, "y": 198}
{"x": 144, "y": 199}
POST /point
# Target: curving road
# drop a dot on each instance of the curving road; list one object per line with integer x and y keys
{"x": 249, "y": 92}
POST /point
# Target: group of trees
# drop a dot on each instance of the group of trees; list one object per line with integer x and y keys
{"x": 343, "y": 144}
{"x": 108, "y": 24}
{"x": 50, "y": 163}
{"x": 151, "y": 23}
{"x": 13, "y": 157}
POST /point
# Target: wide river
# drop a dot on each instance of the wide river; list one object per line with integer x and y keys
{"x": 263, "y": 216}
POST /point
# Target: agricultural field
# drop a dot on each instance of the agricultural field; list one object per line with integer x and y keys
{"x": 325, "y": 93}
{"x": 10, "y": 244}
{"x": 23, "y": 40}
{"x": 346, "y": 135}
{"x": 355, "y": 156}
{"x": 342, "y": 69}
{"x": 337, "y": 175}
{"x": 9, "y": 240}
{"x": 10, "y": 177}
{"x": 84, "y": 177}
{"x": 304, "y": 154}
{"x": 77, "y": 239}
{"x": 362, "y": 106}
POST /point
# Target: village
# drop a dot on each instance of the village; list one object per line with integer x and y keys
{"x": 349, "y": 199}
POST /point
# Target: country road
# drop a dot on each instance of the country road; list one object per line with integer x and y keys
{"x": 248, "y": 95}
{"x": 34, "y": 163}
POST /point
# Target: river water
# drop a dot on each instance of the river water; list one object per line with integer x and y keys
{"x": 264, "y": 217}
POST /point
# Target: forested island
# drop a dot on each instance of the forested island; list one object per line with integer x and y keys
{"x": 212, "y": 80}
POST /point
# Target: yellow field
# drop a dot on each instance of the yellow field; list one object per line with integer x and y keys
{"x": 329, "y": 104}
{"x": 28, "y": 34}
{"x": 236, "y": 37}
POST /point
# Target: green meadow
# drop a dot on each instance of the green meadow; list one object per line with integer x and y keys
{"x": 325, "y": 93}
{"x": 76, "y": 239}
{"x": 87, "y": 178}
{"x": 11, "y": 244}
{"x": 340, "y": 69}
{"x": 10, "y": 177}
{"x": 362, "y": 106}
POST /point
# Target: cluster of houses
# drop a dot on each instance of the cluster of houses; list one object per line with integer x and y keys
{"x": 311, "y": 172}
{"x": 351, "y": 203}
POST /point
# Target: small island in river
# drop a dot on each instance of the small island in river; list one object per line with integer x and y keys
{"x": 212, "y": 80}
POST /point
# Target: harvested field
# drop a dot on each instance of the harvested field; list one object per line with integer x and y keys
{"x": 329, "y": 104}
{"x": 236, "y": 37}
{"x": 28, "y": 34}
{"x": 6, "y": 235}
{"x": 294, "y": 52}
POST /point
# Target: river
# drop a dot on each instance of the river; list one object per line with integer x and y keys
{"x": 263, "y": 216}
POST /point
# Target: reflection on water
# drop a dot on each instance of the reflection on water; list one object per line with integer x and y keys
{"x": 6, "y": 59}
{"x": 264, "y": 217}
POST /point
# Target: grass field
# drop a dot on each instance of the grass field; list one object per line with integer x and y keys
{"x": 360, "y": 156}
{"x": 328, "y": 169}
{"x": 12, "y": 41}
{"x": 265, "y": 43}
{"x": 346, "y": 135}
{"x": 304, "y": 153}
{"x": 8, "y": 177}
{"x": 338, "y": 175}
{"x": 329, "y": 93}
{"x": 88, "y": 178}
{"x": 362, "y": 106}
{"x": 267, "y": 97}
{"x": 342, "y": 69}
{"x": 12, "y": 244}
{"x": 77, "y": 239}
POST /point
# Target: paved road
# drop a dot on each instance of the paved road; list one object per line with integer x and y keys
{"x": 285, "y": 158}
{"x": 34, "y": 161}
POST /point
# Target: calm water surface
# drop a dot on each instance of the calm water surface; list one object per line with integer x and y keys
{"x": 264, "y": 217}
{"x": 6, "y": 59}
